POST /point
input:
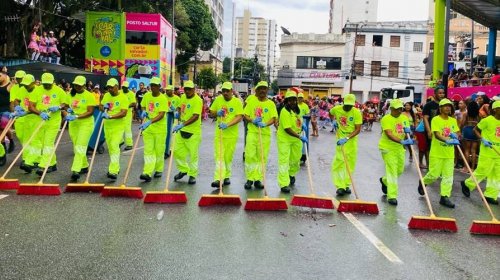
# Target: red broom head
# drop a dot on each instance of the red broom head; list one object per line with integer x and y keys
{"x": 312, "y": 201}
{"x": 165, "y": 197}
{"x": 485, "y": 227}
{"x": 127, "y": 192}
{"x": 210, "y": 200}
{"x": 358, "y": 206}
{"x": 9, "y": 184}
{"x": 93, "y": 188}
{"x": 433, "y": 223}
{"x": 39, "y": 189}
{"x": 266, "y": 204}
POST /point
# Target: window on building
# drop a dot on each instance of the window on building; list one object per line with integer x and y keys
{"x": 359, "y": 67}
{"x": 395, "y": 41}
{"x": 319, "y": 62}
{"x": 377, "y": 40}
{"x": 360, "y": 40}
{"x": 393, "y": 69}
{"x": 376, "y": 68}
{"x": 418, "y": 46}
{"x": 431, "y": 47}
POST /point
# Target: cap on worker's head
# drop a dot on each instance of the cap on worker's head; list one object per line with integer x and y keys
{"x": 28, "y": 79}
{"x": 112, "y": 82}
{"x": 47, "y": 78}
{"x": 125, "y": 84}
{"x": 480, "y": 93}
{"x": 79, "y": 81}
{"x": 349, "y": 99}
{"x": 188, "y": 84}
{"x": 396, "y": 104}
{"x": 300, "y": 95}
{"x": 445, "y": 101}
{"x": 496, "y": 104}
{"x": 20, "y": 74}
{"x": 262, "y": 84}
{"x": 227, "y": 85}
{"x": 155, "y": 81}
{"x": 290, "y": 93}
{"x": 170, "y": 87}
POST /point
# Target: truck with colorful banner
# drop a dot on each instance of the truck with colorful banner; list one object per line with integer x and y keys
{"x": 133, "y": 46}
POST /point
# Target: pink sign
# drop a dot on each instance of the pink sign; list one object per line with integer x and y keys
{"x": 465, "y": 92}
{"x": 142, "y": 22}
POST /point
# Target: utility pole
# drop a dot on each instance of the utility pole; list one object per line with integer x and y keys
{"x": 232, "y": 42}
{"x": 446, "y": 45}
{"x": 472, "y": 49}
{"x": 353, "y": 58}
{"x": 172, "y": 77}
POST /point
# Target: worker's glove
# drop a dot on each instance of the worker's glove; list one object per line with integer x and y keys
{"x": 178, "y": 127}
{"x": 487, "y": 143}
{"x": 261, "y": 125}
{"x": 342, "y": 141}
{"x": 106, "y": 116}
{"x": 18, "y": 108}
{"x": 453, "y": 136}
{"x": 303, "y": 138}
{"x": 177, "y": 115}
{"x": 54, "y": 109}
{"x": 44, "y": 116}
{"x": 335, "y": 124}
{"x": 145, "y": 125}
{"x": 172, "y": 108}
{"x": 407, "y": 142}
{"x": 70, "y": 111}
{"x": 144, "y": 114}
{"x": 257, "y": 120}
{"x": 304, "y": 126}
{"x": 71, "y": 118}
{"x": 105, "y": 106}
{"x": 407, "y": 129}
{"x": 12, "y": 115}
{"x": 452, "y": 142}
{"x": 223, "y": 126}
{"x": 221, "y": 113}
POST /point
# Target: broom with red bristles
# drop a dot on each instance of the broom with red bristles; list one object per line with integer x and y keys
{"x": 86, "y": 186}
{"x": 41, "y": 188}
{"x": 167, "y": 196}
{"x": 430, "y": 222}
{"x": 482, "y": 227}
{"x": 123, "y": 190}
{"x": 358, "y": 205}
{"x": 221, "y": 198}
{"x": 311, "y": 200}
{"x": 266, "y": 203}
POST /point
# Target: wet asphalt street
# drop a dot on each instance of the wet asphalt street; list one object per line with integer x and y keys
{"x": 85, "y": 236}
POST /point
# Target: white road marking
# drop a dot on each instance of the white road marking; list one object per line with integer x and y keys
{"x": 129, "y": 151}
{"x": 3, "y": 196}
{"x": 373, "y": 239}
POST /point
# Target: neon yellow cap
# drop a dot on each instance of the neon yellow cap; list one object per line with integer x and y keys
{"x": 445, "y": 101}
{"x": 227, "y": 85}
{"x": 396, "y": 104}
{"x": 28, "y": 79}
{"x": 125, "y": 84}
{"x": 20, "y": 74}
{"x": 262, "y": 84}
{"x": 349, "y": 99}
{"x": 112, "y": 82}
{"x": 188, "y": 84}
{"x": 290, "y": 93}
{"x": 47, "y": 78}
{"x": 496, "y": 104}
{"x": 155, "y": 81}
{"x": 79, "y": 81}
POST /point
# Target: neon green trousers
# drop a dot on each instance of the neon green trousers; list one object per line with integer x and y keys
{"x": 129, "y": 141}
{"x": 186, "y": 153}
{"x": 228, "y": 148}
{"x": 253, "y": 169}
{"x": 444, "y": 168}
{"x": 394, "y": 166}
{"x": 25, "y": 127}
{"x": 80, "y": 132}
{"x": 154, "y": 151}
{"x": 2, "y": 150}
{"x": 44, "y": 145}
{"x": 489, "y": 169}
{"x": 113, "y": 134}
{"x": 340, "y": 177}
{"x": 289, "y": 154}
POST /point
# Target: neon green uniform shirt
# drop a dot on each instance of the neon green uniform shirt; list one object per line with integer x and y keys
{"x": 190, "y": 107}
{"x": 116, "y": 104}
{"x": 490, "y": 130}
{"x": 347, "y": 121}
{"x": 80, "y": 102}
{"x": 264, "y": 109}
{"x": 154, "y": 105}
{"x": 396, "y": 126}
{"x": 304, "y": 109}
{"x": 23, "y": 96}
{"x": 14, "y": 91}
{"x": 232, "y": 108}
{"x": 45, "y": 99}
{"x": 440, "y": 149}
{"x": 289, "y": 120}
{"x": 173, "y": 101}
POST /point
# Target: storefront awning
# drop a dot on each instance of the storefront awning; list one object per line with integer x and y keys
{"x": 485, "y": 12}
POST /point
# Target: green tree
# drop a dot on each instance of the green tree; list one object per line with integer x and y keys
{"x": 224, "y": 77}
{"x": 226, "y": 65}
{"x": 206, "y": 78}
{"x": 274, "y": 86}
{"x": 244, "y": 67}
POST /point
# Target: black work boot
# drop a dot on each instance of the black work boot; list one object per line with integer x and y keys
{"x": 84, "y": 170}
{"x": 75, "y": 176}
{"x": 384, "y": 187}
{"x": 340, "y": 192}
{"x": 179, "y": 176}
{"x": 112, "y": 176}
{"x": 215, "y": 184}
{"x": 285, "y": 190}
{"x": 465, "y": 189}
{"x": 158, "y": 174}
{"x": 292, "y": 180}
{"x": 258, "y": 185}
{"x": 26, "y": 168}
{"x": 446, "y": 202}
{"x": 393, "y": 201}
{"x": 227, "y": 182}
{"x": 491, "y": 200}
{"x": 248, "y": 185}
{"x": 145, "y": 177}
{"x": 192, "y": 180}
{"x": 420, "y": 188}
{"x": 347, "y": 190}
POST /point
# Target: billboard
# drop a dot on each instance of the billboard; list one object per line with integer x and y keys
{"x": 105, "y": 35}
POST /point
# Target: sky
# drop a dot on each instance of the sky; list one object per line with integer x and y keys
{"x": 305, "y": 16}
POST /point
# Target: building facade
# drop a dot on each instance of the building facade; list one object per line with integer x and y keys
{"x": 342, "y": 11}
{"x": 213, "y": 57}
{"x": 386, "y": 53}
{"x": 313, "y": 62}
{"x": 256, "y": 36}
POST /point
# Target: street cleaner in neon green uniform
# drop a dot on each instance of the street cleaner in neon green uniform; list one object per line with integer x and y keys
{"x": 260, "y": 113}
{"x": 47, "y": 102}
{"x": 26, "y": 122}
{"x": 14, "y": 91}
{"x": 290, "y": 142}
{"x": 392, "y": 147}
{"x": 229, "y": 112}
{"x": 172, "y": 104}
{"x": 488, "y": 166}
{"x": 81, "y": 125}
{"x": 154, "y": 130}
{"x": 349, "y": 120}
{"x": 445, "y": 133}
{"x": 306, "y": 119}
{"x": 116, "y": 105}
{"x": 187, "y": 141}
{"x": 129, "y": 142}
